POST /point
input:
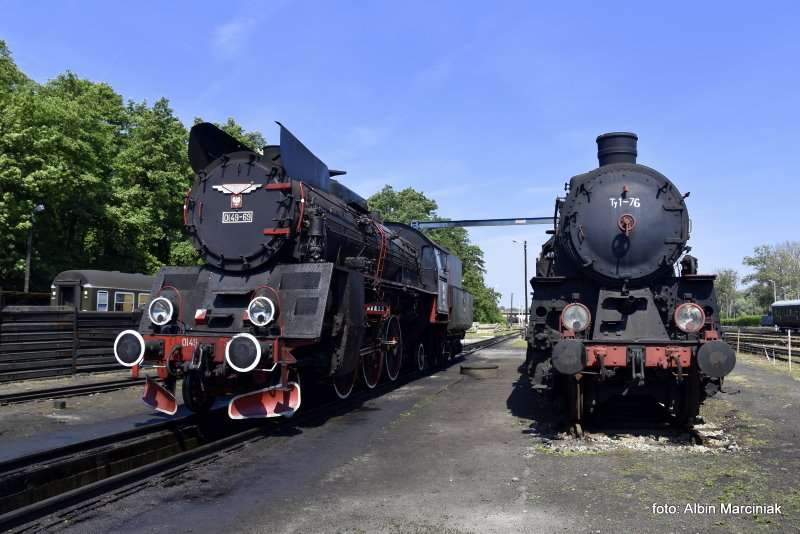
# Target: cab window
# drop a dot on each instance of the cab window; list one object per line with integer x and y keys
{"x": 428, "y": 261}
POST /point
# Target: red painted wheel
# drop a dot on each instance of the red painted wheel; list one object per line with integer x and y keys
{"x": 393, "y": 348}
{"x": 372, "y": 367}
{"x": 343, "y": 383}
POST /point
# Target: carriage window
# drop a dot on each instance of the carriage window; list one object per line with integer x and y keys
{"x": 123, "y": 302}
{"x": 144, "y": 298}
{"x": 102, "y": 301}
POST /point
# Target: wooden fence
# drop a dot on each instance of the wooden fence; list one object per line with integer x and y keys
{"x": 43, "y": 341}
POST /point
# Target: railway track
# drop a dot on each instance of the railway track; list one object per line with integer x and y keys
{"x": 69, "y": 391}
{"x": 761, "y": 341}
{"x": 98, "y": 471}
{"x": 113, "y": 385}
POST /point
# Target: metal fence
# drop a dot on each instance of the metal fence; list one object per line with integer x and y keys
{"x": 44, "y": 341}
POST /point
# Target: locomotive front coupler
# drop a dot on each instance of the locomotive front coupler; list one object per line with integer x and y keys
{"x": 636, "y": 359}
{"x": 604, "y": 371}
{"x": 201, "y": 357}
{"x": 679, "y": 375}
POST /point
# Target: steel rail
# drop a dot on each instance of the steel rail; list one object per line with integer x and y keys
{"x": 71, "y": 475}
{"x": 69, "y": 391}
{"x": 775, "y": 343}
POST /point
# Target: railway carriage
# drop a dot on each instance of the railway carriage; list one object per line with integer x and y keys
{"x": 786, "y": 314}
{"x": 103, "y": 291}
{"x": 301, "y": 286}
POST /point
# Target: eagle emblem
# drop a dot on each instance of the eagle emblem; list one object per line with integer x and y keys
{"x": 236, "y": 191}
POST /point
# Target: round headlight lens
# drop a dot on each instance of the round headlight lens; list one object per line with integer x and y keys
{"x": 575, "y": 317}
{"x": 261, "y": 311}
{"x": 243, "y": 352}
{"x": 129, "y": 348}
{"x": 160, "y": 311}
{"x": 689, "y": 317}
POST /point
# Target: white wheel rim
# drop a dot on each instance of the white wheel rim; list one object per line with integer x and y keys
{"x": 399, "y": 348}
{"x": 364, "y": 372}
{"x": 421, "y": 357}
{"x": 349, "y": 390}
{"x": 445, "y": 351}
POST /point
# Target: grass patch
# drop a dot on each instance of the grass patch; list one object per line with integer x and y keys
{"x": 779, "y": 366}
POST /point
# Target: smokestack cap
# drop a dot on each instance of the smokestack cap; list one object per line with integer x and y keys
{"x": 616, "y": 147}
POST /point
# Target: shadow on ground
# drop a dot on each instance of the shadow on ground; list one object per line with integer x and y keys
{"x": 617, "y": 416}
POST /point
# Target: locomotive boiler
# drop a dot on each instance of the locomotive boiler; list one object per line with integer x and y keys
{"x": 298, "y": 279}
{"x": 610, "y": 316}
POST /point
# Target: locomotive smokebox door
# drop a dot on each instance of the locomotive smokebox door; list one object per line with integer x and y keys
{"x": 235, "y": 219}
{"x": 623, "y": 221}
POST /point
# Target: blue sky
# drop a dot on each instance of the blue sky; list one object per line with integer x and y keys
{"x": 488, "y": 107}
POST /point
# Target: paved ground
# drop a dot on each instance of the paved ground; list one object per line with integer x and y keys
{"x": 38, "y": 425}
{"x": 449, "y": 453}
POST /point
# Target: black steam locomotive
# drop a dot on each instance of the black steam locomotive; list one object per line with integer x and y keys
{"x": 609, "y": 316}
{"x": 298, "y": 278}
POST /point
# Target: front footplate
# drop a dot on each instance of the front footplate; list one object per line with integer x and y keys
{"x": 273, "y": 401}
{"x": 158, "y": 397}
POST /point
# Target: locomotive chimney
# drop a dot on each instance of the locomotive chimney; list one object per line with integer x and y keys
{"x": 616, "y": 147}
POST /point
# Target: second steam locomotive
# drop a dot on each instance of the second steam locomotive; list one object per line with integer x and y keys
{"x": 609, "y": 315}
{"x": 299, "y": 280}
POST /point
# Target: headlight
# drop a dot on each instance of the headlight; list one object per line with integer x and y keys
{"x": 261, "y": 311}
{"x": 160, "y": 311}
{"x": 575, "y": 317}
{"x": 129, "y": 348}
{"x": 689, "y": 317}
{"x": 243, "y": 352}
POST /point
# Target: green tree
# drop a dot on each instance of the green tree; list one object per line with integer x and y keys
{"x": 725, "y": 286}
{"x": 409, "y": 204}
{"x": 58, "y": 141}
{"x": 15, "y": 211}
{"x": 775, "y": 263}
{"x": 112, "y": 177}
{"x": 748, "y": 301}
{"x": 151, "y": 175}
{"x": 11, "y": 78}
{"x": 402, "y": 206}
